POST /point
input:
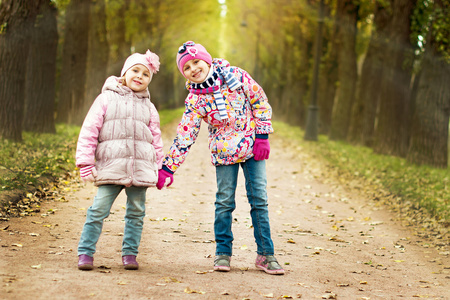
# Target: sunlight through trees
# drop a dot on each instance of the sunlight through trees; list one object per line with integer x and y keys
{"x": 383, "y": 76}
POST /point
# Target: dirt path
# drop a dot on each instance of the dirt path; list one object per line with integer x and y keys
{"x": 330, "y": 242}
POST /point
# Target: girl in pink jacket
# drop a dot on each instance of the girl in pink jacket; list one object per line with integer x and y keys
{"x": 120, "y": 147}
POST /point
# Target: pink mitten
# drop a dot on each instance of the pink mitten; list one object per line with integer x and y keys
{"x": 162, "y": 176}
{"x": 261, "y": 149}
{"x": 88, "y": 173}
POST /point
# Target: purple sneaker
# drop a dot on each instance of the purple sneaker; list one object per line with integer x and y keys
{"x": 269, "y": 264}
{"x": 85, "y": 262}
{"x": 129, "y": 262}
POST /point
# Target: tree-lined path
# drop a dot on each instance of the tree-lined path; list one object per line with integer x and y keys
{"x": 333, "y": 243}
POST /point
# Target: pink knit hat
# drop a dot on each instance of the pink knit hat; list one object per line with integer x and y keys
{"x": 149, "y": 59}
{"x": 191, "y": 50}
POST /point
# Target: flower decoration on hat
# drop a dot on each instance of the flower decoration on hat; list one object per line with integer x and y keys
{"x": 192, "y": 51}
{"x": 153, "y": 61}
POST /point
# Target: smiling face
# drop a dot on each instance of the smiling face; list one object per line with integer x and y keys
{"x": 196, "y": 70}
{"x": 138, "y": 78}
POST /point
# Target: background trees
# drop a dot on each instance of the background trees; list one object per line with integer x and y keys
{"x": 383, "y": 80}
{"x": 17, "y": 19}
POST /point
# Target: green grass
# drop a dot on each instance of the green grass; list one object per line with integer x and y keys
{"x": 39, "y": 156}
{"x": 422, "y": 187}
{"x": 168, "y": 115}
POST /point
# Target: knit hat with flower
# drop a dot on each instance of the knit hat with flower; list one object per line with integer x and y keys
{"x": 149, "y": 60}
{"x": 191, "y": 50}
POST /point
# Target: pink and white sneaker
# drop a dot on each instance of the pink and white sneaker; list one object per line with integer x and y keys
{"x": 222, "y": 263}
{"x": 269, "y": 264}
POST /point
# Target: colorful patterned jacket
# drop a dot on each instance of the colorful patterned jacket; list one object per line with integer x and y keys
{"x": 230, "y": 141}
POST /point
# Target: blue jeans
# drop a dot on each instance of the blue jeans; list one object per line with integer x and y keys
{"x": 255, "y": 184}
{"x": 100, "y": 209}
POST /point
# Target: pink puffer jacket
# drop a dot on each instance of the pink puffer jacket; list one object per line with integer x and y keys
{"x": 121, "y": 136}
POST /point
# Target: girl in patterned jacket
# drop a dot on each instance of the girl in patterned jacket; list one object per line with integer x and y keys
{"x": 238, "y": 115}
{"x": 120, "y": 147}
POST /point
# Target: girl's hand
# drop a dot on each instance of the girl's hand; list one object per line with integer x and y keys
{"x": 162, "y": 176}
{"x": 261, "y": 149}
{"x": 88, "y": 173}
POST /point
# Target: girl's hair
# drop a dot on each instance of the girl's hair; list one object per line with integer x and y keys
{"x": 122, "y": 80}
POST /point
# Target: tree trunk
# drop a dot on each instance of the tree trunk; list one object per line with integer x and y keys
{"x": 16, "y": 19}
{"x": 328, "y": 77}
{"x": 41, "y": 73}
{"x": 97, "y": 53}
{"x": 368, "y": 94}
{"x": 347, "y": 13}
{"x": 429, "y": 130}
{"x": 74, "y": 59}
{"x": 118, "y": 42}
{"x": 391, "y": 133}
{"x": 293, "y": 83}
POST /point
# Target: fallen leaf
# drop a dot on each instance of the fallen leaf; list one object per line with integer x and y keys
{"x": 342, "y": 284}
{"x": 244, "y": 247}
{"x": 104, "y": 267}
{"x": 189, "y": 291}
{"x": 122, "y": 283}
{"x": 363, "y": 282}
{"x": 17, "y": 245}
{"x": 10, "y": 279}
{"x": 336, "y": 239}
{"x": 291, "y": 241}
{"x": 268, "y": 295}
{"x": 36, "y": 266}
{"x": 329, "y": 296}
{"x": 171, "y": 279}
{"x": 376, "y": 223}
